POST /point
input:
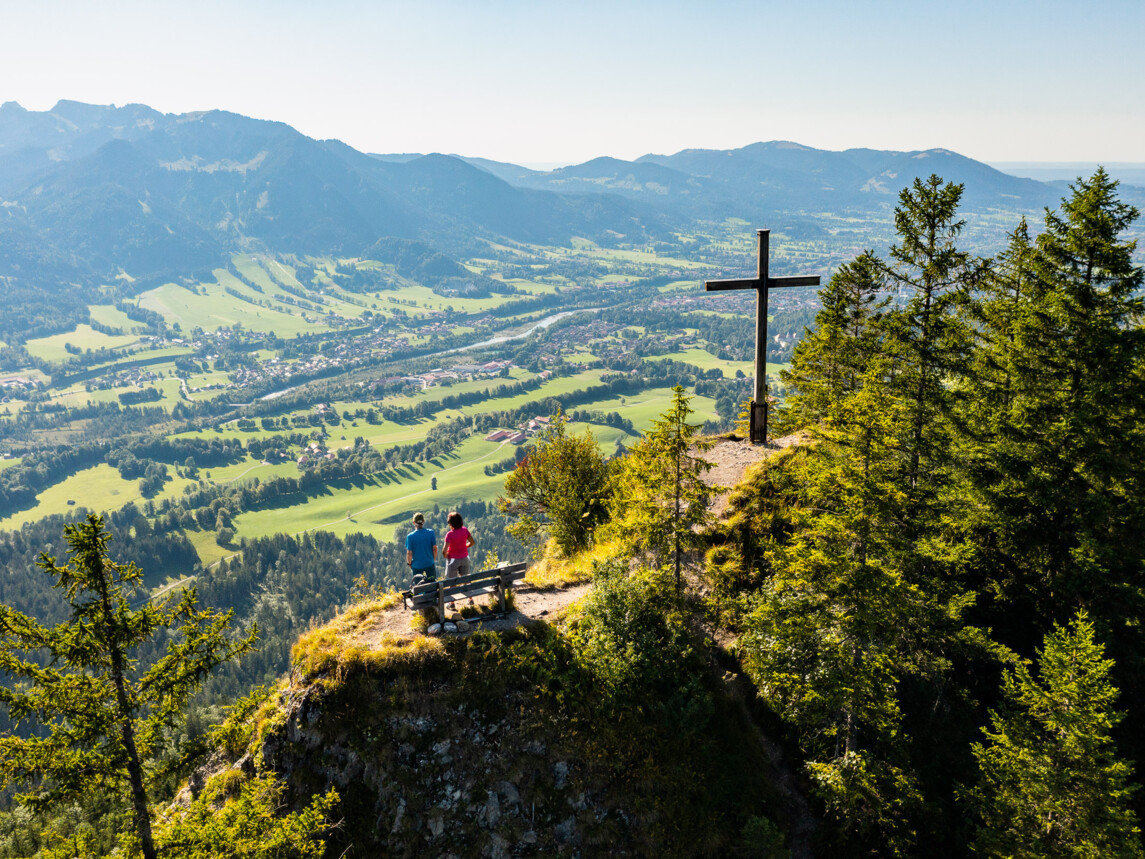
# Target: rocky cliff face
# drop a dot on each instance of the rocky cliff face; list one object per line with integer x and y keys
{"x": 497, "y": 744}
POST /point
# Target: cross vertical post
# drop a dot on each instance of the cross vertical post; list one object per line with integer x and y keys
{"x": 761, "y": 284}
{"x": 758, "y": 423}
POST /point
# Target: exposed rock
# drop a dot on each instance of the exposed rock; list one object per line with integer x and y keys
{"x": 497, "y": 848}
{"x": 560, "y": 775}
{"x": 509, "y": 792}
{"x": 492, "y": 809}
{"x": 434, "y": 629}
{"x": 565, "y": 831}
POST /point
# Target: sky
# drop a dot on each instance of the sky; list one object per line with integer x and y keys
{"x": 547, "y": 83}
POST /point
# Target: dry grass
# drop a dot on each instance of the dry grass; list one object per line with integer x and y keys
{"x": 330, "y": 652}
{"x": 553, "y": 571}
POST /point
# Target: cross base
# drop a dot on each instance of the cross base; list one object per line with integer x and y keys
{"x": 758, "y": 431}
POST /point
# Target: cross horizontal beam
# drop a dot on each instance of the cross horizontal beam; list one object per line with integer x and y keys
{"x": 754, "y": 283}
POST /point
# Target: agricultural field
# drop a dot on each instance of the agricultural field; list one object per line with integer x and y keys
{"x": 99, "y": 489}
{"x": 646, "y": 406}
{"x": 83, "y": 337}
{"x": 373, "y": 504}
{"x": 106, "y": 314}
{"x": 210, "y": 307}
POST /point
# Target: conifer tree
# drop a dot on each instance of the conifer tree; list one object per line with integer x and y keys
{"x": 930, "y": 339}
{"x": 101, "y": 720}
{"x": 829, "y": 361}
{"x": 1051, "y": 783}
{"x": 1054, "y": 456}
{"x": 659, "y": 496}
{"x": 835, "y": 626}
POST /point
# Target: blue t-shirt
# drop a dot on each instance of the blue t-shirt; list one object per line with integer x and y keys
{"x": 421, "y": 541}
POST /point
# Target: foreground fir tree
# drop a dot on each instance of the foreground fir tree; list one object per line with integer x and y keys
{"x": 100, "y": 722}
{"x": 1054, "y": 456}
{"x": 659, "y": 496}
{"x": 1051, "y": 783}
{"x": 830, "y": 361}
{"x": 836, "y": 625}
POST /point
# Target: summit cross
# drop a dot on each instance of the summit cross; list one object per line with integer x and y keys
{"x": 761, "y": 284}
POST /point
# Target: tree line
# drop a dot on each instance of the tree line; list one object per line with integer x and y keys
{"x": 939, "y": 594}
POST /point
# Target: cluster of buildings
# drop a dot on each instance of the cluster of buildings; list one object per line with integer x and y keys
{"x": 15, "y": 385}
{"x": 521, "y": 433}
{"x": 314, "y": 452}
{"x": 458, "y": 373}
{"x": 137, "y": 376}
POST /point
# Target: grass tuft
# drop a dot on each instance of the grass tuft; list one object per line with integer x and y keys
{"x": 553, "y": 571}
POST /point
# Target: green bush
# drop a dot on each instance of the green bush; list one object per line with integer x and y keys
{"x": 631, "y": 636}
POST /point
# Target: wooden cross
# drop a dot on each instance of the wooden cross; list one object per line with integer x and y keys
{"x": 761, "y": 284}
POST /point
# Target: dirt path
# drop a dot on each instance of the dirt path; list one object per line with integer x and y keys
{"x": 531, "y": 604}
{"x": 730, "y": 458}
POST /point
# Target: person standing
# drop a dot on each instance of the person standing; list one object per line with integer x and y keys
{"x": 458, "y": 541}
{"x": 421, "y": 549}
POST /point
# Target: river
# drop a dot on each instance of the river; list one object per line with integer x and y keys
{"x": 492, "y": 341}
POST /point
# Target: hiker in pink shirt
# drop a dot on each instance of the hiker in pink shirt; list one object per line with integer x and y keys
{"x": 457, "y": 543}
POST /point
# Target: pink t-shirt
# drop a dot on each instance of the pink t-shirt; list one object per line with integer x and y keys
{"x": 457, "y": 543}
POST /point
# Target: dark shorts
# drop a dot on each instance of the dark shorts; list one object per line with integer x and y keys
{"x": 428, "y": 573}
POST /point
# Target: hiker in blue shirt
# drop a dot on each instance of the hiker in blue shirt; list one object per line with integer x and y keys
{"x": 421, "y": 549}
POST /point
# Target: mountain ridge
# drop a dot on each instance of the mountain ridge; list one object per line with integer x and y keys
{"x": 94, "y": 193}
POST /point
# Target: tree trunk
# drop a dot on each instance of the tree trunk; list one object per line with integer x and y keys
{"x": 140, "y": 812}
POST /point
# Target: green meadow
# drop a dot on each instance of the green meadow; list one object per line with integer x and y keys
{"x": 212, "y": 308}
{"x": 373, "y": 504}
{"x": 644, "y": 407}
{"x": 83, "y": 337}
{"x": 376, "y": 504}
{"x": 99, "y": 488}
{"x": 106, "y": 314}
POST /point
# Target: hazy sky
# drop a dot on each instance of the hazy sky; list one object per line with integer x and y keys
{"x": 559, "y": 82}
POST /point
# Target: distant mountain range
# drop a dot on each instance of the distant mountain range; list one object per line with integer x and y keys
{"x": 88, "y": 192}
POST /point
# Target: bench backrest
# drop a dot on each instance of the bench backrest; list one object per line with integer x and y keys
{"x": 431, "y": 593}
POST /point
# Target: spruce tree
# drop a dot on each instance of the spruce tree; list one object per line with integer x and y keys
{"x": 659, "y": 497}
{"x": 929, "y": 337}
{"x": 1051, "y": 784}
{"x": 99, "y": 720}
{"x": 829, "y": 361}
{"x": 835, "y": 627}
{"x": 1054, "y": 463}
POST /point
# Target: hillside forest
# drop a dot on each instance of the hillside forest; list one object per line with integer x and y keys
{"x": 933, "y": 593}
{"x": 252, "y": 356}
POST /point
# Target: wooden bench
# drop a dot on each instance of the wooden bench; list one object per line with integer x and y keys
{"x": 497, "y": 581}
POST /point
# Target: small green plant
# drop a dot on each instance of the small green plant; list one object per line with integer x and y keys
{"x": 234, "y": 735}
{"x": 250, "y": 824}
{"x": 764, "y": 839}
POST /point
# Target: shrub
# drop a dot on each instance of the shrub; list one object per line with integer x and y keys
{"x": 631, "y": 635}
